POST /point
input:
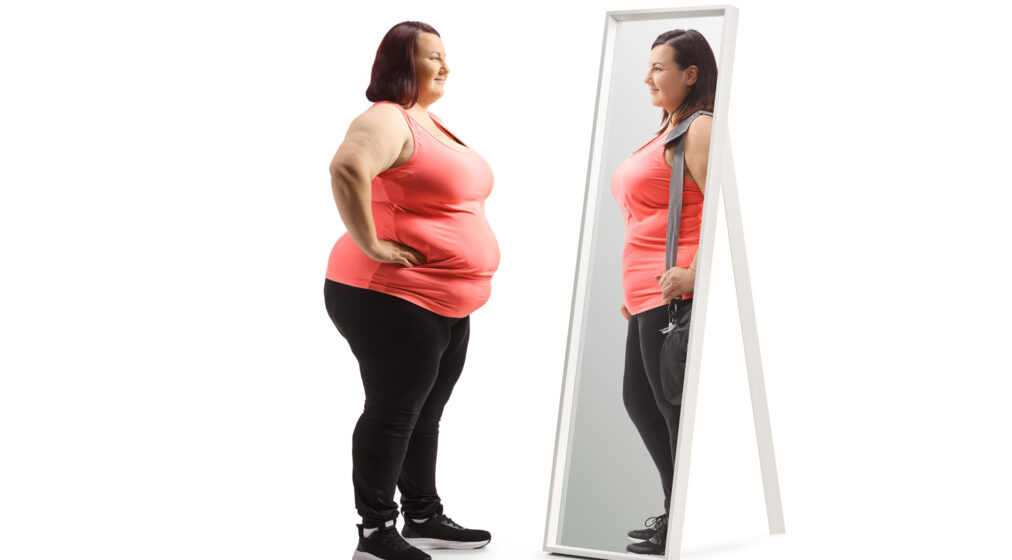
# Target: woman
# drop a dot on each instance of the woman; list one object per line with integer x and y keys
{"x": 682, "y": 78}
{"x": 417, "y": 259}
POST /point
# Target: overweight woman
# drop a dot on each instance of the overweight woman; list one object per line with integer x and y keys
{"x": 416, "y": 261}
{"x": 682, "y": 79}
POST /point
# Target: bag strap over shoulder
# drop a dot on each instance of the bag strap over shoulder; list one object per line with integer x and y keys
{"x": 677, "y": 138}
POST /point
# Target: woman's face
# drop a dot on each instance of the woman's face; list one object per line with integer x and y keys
{"x": 430, "y": 67}
{"x": 668, "y": 83}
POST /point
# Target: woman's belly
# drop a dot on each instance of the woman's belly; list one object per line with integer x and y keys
{"x": 461, "y": 255}
{"x": 643, "y": 258}
{"x": 459, "y": 241}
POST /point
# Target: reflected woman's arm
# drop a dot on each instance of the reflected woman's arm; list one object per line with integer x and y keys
{"x": 697, "y": 157}
{"x": 697, "y": 150}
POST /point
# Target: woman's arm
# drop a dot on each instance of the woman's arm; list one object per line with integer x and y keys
{"x": 373, "y": 143}
{"x": 697, "y": 151}
{"x": 697, "y": 157}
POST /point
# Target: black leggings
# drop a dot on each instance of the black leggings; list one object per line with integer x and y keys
{"x": 655, "y": 418}
{"x": 410, "y": 359}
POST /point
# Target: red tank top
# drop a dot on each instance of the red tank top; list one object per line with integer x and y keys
{"x": 641, "y": 186}
{"x": 434, "y": 203}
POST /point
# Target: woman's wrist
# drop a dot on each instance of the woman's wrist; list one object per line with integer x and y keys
{"x": 371, "y": 247}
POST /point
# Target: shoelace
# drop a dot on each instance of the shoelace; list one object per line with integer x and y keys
{"x": 442, "y": 518}
{"x": 656, "y": 520}
{"x": 660, "y": 537}
{"x": 392, "y": 538}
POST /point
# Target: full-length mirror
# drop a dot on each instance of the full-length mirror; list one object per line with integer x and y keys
{"x": 613, "y": 476}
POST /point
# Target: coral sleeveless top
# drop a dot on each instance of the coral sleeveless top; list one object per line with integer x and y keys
{"x": 641, "y": 186}
{"x": 434, "y": 203}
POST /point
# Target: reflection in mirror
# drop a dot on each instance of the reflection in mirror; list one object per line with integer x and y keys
{"x": 618, "y": 424}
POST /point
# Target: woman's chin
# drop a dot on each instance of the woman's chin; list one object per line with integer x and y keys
{"x": 431, "y": 96}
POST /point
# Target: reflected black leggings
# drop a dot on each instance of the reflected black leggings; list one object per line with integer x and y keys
{"x": 655, "y": 418}
{"x": 409, "y": 358}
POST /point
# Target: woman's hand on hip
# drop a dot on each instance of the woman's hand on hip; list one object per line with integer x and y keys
{"x": 675, "y": 282}
{"x": 625, "y": 312}
{"x": 387, "y": 251}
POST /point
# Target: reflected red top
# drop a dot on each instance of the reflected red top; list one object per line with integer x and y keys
{"x": 434, "y": 203}
{"x": 641, "y": 186}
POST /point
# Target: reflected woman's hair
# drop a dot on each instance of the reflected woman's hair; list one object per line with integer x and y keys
{"x": 393, "y": 71}
{"x": 690, "y": 49}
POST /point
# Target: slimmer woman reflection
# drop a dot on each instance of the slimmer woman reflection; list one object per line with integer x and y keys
{"x": 682, "y": 79}
{"x": 401, "y": 284}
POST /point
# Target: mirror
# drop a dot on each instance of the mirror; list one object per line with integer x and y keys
{"x": 611, "y": 473}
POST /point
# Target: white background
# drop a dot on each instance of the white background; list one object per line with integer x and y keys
{"x": 173, "y": 388}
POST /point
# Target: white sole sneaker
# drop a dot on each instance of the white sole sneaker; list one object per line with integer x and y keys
{"x": 360, "y": 555}
{"x": 429, "y": 544}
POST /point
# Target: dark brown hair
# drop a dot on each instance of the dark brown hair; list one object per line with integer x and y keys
{"x": 691, "y": 48}
{"x": 393, "y": 71}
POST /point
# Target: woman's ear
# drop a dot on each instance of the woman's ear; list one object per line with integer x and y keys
{"x": 692, "y": 74}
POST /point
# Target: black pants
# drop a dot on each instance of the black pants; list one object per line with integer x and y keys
{"x": 655, "y": 418}
{"x": 410, "y": 359}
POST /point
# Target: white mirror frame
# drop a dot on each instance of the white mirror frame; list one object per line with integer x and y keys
{"x": 571, "y": 373}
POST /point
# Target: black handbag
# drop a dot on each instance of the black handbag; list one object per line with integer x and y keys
{"x": 676, "y": 339}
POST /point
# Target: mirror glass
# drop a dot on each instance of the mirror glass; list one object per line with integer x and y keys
{"x": 606, "y": 482}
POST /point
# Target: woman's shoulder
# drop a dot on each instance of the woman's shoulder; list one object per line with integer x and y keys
{"x": 383, "y": 110}
{"x": 699, "y": 129}
{"x": 380, "y": 118}
{"x": 701, "y": 123}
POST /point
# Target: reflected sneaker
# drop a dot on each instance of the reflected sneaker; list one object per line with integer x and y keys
{"x": 654, "y": 545}
{"x": 652, "y": 523}
{"x": 385, "y": 543}
{"x": 439, "y": 531}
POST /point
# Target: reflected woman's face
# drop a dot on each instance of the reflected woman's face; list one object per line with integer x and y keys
{"x": 430, "y": 67}
{"x": 668, "y": 83}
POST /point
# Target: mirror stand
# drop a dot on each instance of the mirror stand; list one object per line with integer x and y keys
{"x": 753, "y": 364}
{"x": 601, "y": 476}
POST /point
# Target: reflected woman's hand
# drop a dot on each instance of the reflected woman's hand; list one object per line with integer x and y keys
{"x": 625, "y": 312}
{"x": 676, "y": 281}
{"x": 387, "y": 251}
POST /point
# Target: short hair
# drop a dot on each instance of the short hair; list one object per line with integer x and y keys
{"x": 393, "y": 71}
{"x": 691, "y": 48}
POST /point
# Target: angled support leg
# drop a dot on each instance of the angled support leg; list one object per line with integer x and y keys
{"x": 750, "y": 336}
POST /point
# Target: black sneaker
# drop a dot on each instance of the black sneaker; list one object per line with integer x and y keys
{"x": 654, "y": 545}
{"x": 385, "y": 543}
{"x": 652, "y": 523}
{"x": 439, "y": 531}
